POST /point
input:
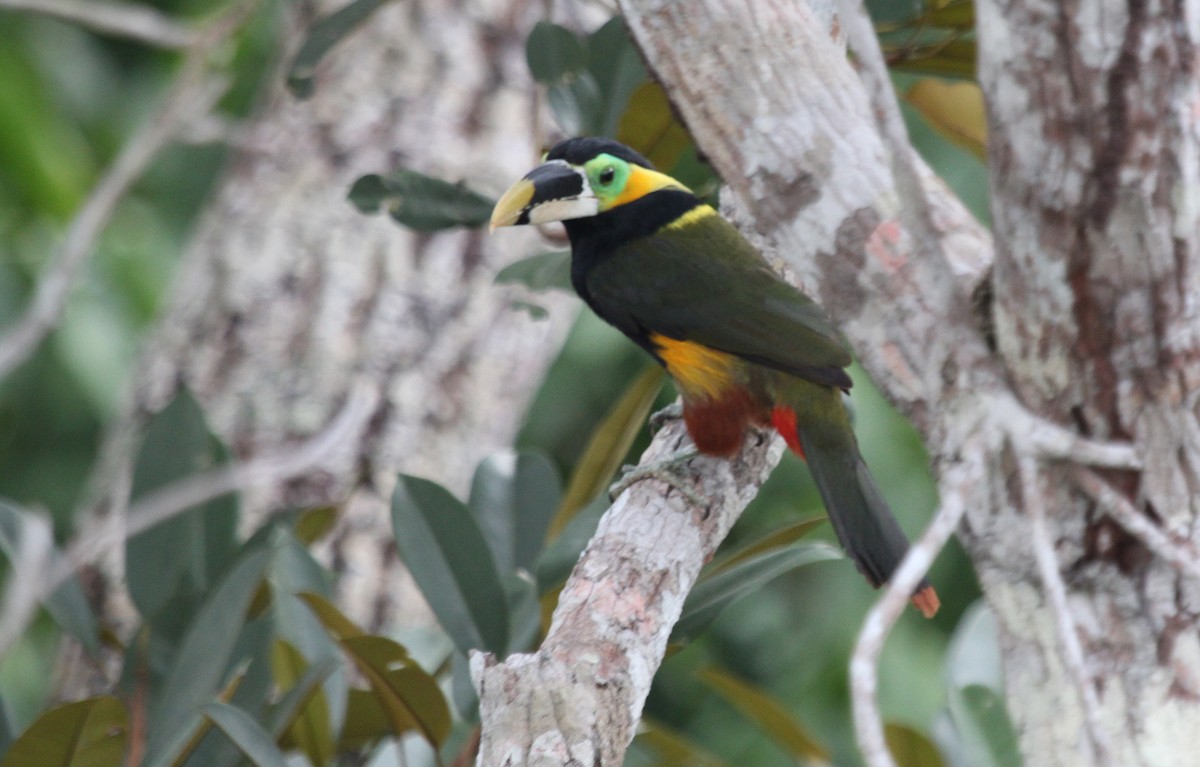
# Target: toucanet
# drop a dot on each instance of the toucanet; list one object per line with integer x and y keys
{"x": 743, "y": 346}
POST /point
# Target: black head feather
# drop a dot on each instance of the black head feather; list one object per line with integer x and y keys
{"x": 578, "y": 151}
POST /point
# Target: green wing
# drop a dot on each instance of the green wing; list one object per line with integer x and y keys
{"x": 704, "y": 282}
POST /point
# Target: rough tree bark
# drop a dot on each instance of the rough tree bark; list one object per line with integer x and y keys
{"x": 1086, "y": 559}
{"x": 288, "y": 295}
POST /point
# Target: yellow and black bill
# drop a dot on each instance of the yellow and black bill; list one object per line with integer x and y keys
{"x": 554, "y": 191}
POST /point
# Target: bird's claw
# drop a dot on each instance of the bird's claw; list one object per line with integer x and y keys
{"x": 659, "y": 418}
{"x": 666, "y": 471}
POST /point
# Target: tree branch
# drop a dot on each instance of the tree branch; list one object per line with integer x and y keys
{"x": 1056, "y": 594}
{"x": 136, "y": 22}
{"x": 578, "y": 699}
{"x": 1181, "y": 556}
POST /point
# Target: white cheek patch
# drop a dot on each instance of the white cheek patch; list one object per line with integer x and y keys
{"x": 561, "y": 210}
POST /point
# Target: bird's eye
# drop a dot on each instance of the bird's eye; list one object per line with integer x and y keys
{"x": 607, "y": 175}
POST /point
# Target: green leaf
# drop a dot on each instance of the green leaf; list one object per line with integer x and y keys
{"x": 247, "y": 734}
{"x": 88, "y": 733}
{"x": 449, "y": 559}
{"x": 912, "y": 749}
{"x": 712, "y": 594}
{"x": 314, "y": 524}
{"x": 525, "y": 618}
{"x": 170, "y": 567}
{"x": 421, "y": 202}
{"x": 767, "y": 713}
{"x": 608, "y": 446}
{"x": 338, "y": 624}
{"x": 322, "y": 36}
{"x": 617, "y": 68}
{"x": 956, "y": 14}
{"x": 563, "y": 551}
{"x": 648, "y": 125}
{"x": 994, "y": 740}
{"x": 975, "y": 691}
{"x": 955, "y": 58}
{"x": 772, "y": 541}
{"x": 309, "y": 728}
{"x": 672, "y": 748}
{"x": 545, "y": 271}
{"x": 368, "y": 193}
{"x": 204, "y": 655}
{"x": 553, "y": 53}
{"x": 513, "y": 497}
{"x": 410, "y": 696}
{"x": 576, "y": 104}
{"x": 67, "y": 604}
{"x": 367, "y": 721}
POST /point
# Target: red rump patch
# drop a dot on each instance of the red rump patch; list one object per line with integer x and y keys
{"x": 717, "y": 425}
{"x": 784, "y": 420}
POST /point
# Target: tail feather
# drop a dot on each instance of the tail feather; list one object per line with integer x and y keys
{"x": 820, "y": 427}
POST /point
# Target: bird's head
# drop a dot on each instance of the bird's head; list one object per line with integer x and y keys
{"x": 579, "y": 178}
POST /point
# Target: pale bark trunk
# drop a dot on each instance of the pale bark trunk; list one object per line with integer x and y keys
{"x": 1096, "y": 316}
{"x": 1095, "y": 178}
{"x": 288, "y": 295}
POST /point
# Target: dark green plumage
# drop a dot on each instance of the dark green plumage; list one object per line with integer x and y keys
{"x": 744, "y": 347}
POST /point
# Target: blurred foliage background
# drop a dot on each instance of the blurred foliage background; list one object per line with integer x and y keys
{"x": 68, "y": 99}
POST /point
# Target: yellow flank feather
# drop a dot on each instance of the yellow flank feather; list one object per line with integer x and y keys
{"x": 699, "y": 372}
{"x": 641, "y": 182}
{"x": 692, "y": 216}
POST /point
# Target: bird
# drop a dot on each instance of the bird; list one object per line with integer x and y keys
{"x": 744, "y": 347}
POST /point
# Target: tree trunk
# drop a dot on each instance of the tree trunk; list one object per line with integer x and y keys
{"x": 1094, "y": 149}
{"x": 288, "y": 295}
{"x": 1096, "y": 289}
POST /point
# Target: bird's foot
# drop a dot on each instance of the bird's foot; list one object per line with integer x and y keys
{"x": 666, "y": 471}
{"x": 658, "y": 419}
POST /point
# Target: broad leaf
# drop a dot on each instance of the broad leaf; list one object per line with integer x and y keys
{"x": 544, "y": 271}
{"x": 170, "y": 567}
{"x": 421, "y": 202}
{"x": 513, "y": 497}
{"x": 975, "y": 687}
{"x": 712, "y": 594}
{"x": 309, "y": 727}
{"x": 367, "y": 721}
{"x": 446, "y": 553}
{"x": 954, "y": 110}
{"x": 575, "y": 104}
{"x": 767, "y": 713}
{"x": 338, "y": 624}
{"x": 617, "y": 68}
{"x": 67, "y": 604}
{"x": 87, "y": 733}
{"x": 982, "y": 715}
{"x": 553, "y": 53}
{"x": 608, "y": 446}
{"x": 672, "y": 748}
{"x": 410, "y": 697}
{"x": 205, "y": 654}
{"x": 912, "y": 749}
{"x": 322, "y": 36}
{"x": 649, "y": 126}
{"x": 247, "y": 734}
{"x": 772, "y": 541}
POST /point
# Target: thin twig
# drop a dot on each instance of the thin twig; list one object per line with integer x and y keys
{"x": 136, "y": 22}
{"x": 30, "y": 586}
{"x": 864, "y": 663}
{"x": 1181, "y": 556}
{"x": 1056, "y": 592}
{"x": 192, "y": 92}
